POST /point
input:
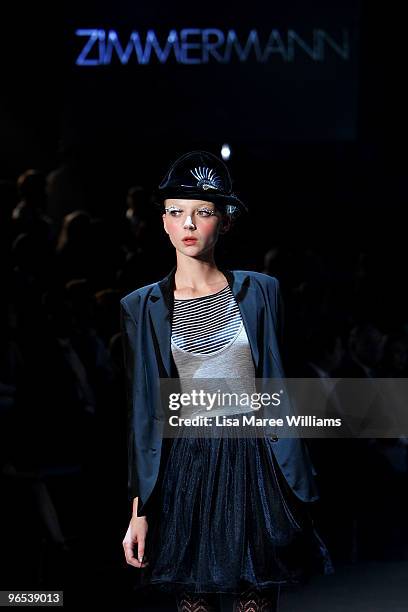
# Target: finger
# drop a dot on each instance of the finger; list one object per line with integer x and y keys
{"x": 140, "y": 550}
{"x": 129, "y": 554}
{"x": 130, "y": 557}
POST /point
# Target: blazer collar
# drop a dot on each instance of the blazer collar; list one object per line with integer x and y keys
{"x": 161, "y": 305}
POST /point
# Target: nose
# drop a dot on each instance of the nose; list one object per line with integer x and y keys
{"x": 189, "y": 222}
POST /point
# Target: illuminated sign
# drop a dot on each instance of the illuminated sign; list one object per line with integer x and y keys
{"x": 201, "y": 46}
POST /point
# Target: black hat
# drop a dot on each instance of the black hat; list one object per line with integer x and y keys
{"x": 200, "y": 175}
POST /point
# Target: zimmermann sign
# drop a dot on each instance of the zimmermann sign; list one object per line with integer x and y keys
{"x": 201, "y": 46}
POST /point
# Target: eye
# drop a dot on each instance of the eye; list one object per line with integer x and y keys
{"x": 173, "y": 212}
{"x": 205, "y": 212}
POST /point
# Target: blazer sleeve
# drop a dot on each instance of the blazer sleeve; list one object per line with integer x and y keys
{"x": 280, "y": 317}
{"x": 128, "y": 328}
{"x": 281, "y": 321}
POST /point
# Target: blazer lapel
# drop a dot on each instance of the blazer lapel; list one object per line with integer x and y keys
{"x": 161, "y": 309}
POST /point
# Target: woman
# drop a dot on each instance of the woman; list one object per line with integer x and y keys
{"x": 217, "y": 519}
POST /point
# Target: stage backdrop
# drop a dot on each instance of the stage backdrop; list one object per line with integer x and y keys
{"x": 152, "y": 72}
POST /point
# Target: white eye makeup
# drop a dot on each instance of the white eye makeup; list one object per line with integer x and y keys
{"x": 202, "y": 211}
{"x": 206, "y": 212}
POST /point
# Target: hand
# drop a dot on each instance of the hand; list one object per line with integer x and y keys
{"x": 136, "y": 537}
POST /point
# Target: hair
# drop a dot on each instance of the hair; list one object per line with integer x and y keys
{"x": 74, "y": 224}
{"x": 31, "y": 184}
{"x": 140, "y": 196}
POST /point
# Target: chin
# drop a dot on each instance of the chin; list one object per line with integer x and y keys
{"x": 192, "y": 252}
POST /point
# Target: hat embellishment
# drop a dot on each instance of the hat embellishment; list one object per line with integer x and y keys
{"x": 206, "y": 178}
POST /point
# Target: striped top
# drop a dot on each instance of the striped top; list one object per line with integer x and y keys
{"x": 209, "y": 341}
{"x": 206, "y": 324}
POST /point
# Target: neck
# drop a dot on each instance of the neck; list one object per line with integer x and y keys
{"x": 196, "y": 273}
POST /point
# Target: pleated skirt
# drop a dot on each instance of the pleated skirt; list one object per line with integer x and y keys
{"x": 226, "y": 520}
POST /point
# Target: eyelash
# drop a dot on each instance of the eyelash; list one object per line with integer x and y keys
{"x": 209, "y": 212}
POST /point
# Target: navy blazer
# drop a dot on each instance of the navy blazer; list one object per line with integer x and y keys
{"x": 146, "y": 315}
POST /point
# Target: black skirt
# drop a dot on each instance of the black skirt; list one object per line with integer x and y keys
{"x": 226, "y": 520}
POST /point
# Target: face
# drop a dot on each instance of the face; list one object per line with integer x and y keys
{"x": 193, "y": 226}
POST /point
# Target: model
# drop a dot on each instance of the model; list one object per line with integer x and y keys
{"x": 218, "y": 520}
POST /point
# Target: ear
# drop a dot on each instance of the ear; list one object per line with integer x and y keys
{"x": 165, "y": 222}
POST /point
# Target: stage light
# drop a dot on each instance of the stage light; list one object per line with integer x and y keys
{"x": 225, "y": 152}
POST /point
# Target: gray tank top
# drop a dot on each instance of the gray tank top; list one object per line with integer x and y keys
{"x": 209, "y": 341}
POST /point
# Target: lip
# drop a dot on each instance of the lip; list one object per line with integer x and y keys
{"x": 189, "y": 240}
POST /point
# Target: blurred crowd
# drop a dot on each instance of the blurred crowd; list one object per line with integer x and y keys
{"x": 63, "y": 448}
